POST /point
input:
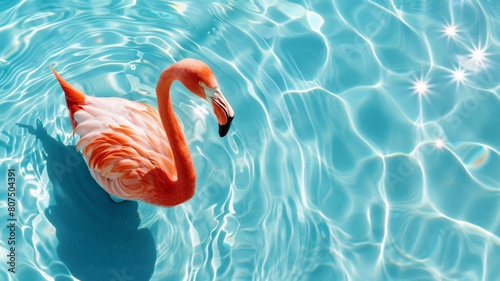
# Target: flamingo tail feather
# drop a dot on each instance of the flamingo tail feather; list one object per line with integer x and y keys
{"x": 74, "y": 98}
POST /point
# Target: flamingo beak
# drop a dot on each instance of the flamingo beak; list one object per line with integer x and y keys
{"x": 223, "y": 129}
{"x": 223, "y": 112}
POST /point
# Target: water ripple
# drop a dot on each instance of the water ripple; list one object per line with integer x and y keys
{"x": 364, "y": 143}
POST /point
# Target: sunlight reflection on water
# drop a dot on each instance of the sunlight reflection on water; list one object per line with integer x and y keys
{"x": 365, "y": 141}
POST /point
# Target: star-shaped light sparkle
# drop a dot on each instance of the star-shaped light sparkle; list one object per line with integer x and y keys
{"x": 459, "y": 75}
{"x": 478, "y": 55}
{"x": 475, "y": 60}
{"x": 439, "y": 143}
{"x": 421, "y": 86}
{"x": 450, "y": 31}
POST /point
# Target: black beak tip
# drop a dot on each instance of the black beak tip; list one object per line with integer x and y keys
{"x": 223, "y": 129}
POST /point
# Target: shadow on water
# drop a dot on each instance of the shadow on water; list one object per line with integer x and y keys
{"x": 98, "y": 238}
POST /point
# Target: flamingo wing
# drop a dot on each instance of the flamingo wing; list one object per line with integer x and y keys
{"x": 125, "y": 146}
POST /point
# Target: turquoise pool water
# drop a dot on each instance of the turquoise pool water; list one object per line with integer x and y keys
{"x": 365, "y": 144}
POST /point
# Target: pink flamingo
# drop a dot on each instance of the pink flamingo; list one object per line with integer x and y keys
{"x": 133, "y": 151}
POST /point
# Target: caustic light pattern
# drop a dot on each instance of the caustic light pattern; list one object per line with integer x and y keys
{"x": 365, "y": 146}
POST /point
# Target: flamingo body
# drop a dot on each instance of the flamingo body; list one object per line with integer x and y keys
{"x": 126, "y": 145}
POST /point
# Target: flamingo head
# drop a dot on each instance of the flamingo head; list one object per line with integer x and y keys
{"x": 198, "y": 78}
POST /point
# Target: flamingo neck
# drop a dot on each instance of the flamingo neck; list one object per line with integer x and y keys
{"x": 184, "y": 186}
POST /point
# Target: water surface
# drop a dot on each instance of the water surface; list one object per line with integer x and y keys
{"x": 365, "y": 143}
